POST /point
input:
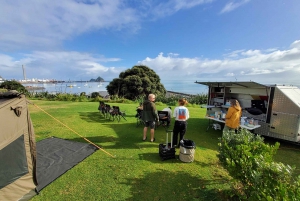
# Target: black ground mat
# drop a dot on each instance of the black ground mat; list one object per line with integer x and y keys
{"x": 56, "y": 156}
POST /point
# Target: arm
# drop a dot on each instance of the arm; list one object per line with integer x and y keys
{"x": 229, "y": 113}
{"x": 187, "y": 114}
{"x": 154, "y": 112}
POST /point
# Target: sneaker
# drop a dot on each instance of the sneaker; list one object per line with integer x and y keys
{"x": 145, "y": 139}
{"x": 152, "y": 140}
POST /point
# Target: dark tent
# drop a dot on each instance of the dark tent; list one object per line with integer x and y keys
{"x": 27, "y": 167}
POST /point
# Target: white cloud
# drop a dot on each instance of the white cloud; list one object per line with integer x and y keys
{"x": 233, "y": 5}
{"x": 59, "y": 65}
{"x": 47, "y": 23}
{"x": 229, "y": 74}
{"x": 251, "y": 53}
{"x": 278, "y": 66}
{"x": 166, "y": 8}
{"x": 296, "y": 44}
{"x": 234, "y": 54}
{"x": 260, "y": 65}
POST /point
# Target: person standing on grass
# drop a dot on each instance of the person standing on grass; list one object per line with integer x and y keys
{"x": 232, "y": 118}
{"x": 149, "y": 116}
{"x": 181, "y": 114}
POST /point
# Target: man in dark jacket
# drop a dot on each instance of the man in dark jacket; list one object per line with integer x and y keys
{"x": 149, "y": 116}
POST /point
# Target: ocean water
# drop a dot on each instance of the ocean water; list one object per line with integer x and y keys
{"x": 89, "y": 87}
{"x": 187, "y": 87}
{"x": 71, "y": 88}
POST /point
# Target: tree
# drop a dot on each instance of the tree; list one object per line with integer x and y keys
{"x": 136, "y": 82}
{"x": 14, "y": 85}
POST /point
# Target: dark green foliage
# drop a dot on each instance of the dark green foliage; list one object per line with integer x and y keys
{"x": 135, "y": 82}
{"x": 256, "y": 177}
{"x": 173, "y": 100}
{"x": 14, "y": 85}
{"x": 95, "y": 97}
{"x": 43, "y": 95}
{"x": 198, "y": 99}
{"x": 95, "y": 94}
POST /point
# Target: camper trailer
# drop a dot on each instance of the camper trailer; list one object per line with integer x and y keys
{"x": 274, "y": 108}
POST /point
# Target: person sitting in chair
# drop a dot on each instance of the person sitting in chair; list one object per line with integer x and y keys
{"x": 140, "y": 107}
{"x": 139, "y": 110}
{"x": 169, "y": 110}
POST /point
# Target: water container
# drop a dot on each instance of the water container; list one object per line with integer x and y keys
{"x": 242, "y": 121}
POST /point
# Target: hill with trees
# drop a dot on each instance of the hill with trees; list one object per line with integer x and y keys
{"x": 99, "y": 79}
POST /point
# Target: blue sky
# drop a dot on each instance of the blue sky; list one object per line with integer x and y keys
{"x": 181, "y": 40}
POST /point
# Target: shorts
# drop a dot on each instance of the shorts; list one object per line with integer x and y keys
{"x": 150, "y": 124}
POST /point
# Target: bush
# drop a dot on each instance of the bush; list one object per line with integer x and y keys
{"x": 194, "y": 101}
{"x": 198, "y": 99}
{"x": 173, "y": 100}
{"x": 95, "y": 94}
{"x": 14, "y": 85}
{"x": 256, "y": 177}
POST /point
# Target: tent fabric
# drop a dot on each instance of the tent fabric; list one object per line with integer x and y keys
{"x": 26, "y": 167}
{"x": 17, "y": 167}
{"x": 16, "y": 136}
{"x": 55, "y": 156}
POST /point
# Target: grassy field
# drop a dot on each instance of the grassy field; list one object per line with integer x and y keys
{"x": 136, "y": 171}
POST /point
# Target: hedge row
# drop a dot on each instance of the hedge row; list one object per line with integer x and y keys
{"x": 255, "y": 175}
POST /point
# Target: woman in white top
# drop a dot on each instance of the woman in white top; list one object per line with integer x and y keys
{"x": 181, "y": 114}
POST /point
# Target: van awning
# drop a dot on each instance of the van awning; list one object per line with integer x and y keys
{"x": 234, "y": 84}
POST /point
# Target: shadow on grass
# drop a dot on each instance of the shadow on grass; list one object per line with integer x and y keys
{"x": 100, "y": 117}
{"x": 129, "y": 134}
{"x": 155, "y": 158}
{"x": 168, "y": 185}
{"x": 97, "y": 117}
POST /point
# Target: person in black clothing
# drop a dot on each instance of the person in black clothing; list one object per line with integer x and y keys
{"x": 181, "y": 114}
{"x": 149, "y": 116}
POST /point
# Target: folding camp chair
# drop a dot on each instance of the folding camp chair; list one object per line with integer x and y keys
{"x": 115, "y": 113}
{"x": 101, "y": 107}
{"x": 108, "y": 109}
{"x": 164, "y": 118}
{"x": 139, "y": 120}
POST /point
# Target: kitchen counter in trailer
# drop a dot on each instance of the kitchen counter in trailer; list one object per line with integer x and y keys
{"x": 222, "y": 121}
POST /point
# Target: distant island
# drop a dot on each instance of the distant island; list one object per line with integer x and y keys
{"x": 99, "y": 79}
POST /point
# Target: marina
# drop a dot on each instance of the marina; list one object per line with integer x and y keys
{"x": 64, "y": 87}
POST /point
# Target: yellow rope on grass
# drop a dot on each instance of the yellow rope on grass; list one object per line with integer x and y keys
{"x": 72, "y": 130}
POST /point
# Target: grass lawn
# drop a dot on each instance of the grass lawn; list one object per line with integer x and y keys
{"x": 136, "y": 172}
